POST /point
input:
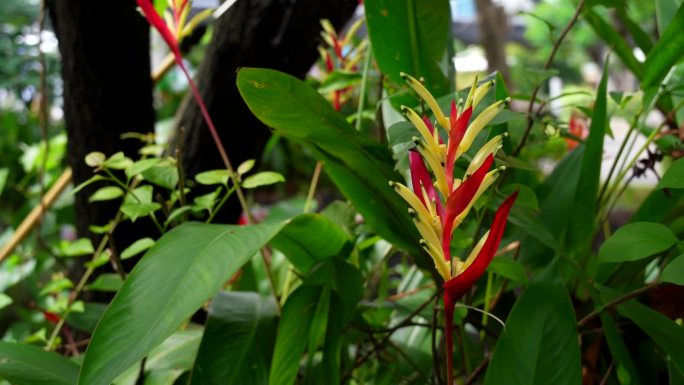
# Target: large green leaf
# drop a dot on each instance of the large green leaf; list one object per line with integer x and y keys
{"x": 23, "y": 364}
{"x": 540, "y": 342}
{"x": 175, "y": 277}
{"x": 584, "y": 205}
{"x": 665, "y": 332}
{"x": 308, "y": 239}
{"x": 674, "y": 271}
{"x": 666, "y": 53}
{"x": 313, "y": 315}
{"x": 238, "y": 340}
{"x": 612, "y": 38}
{"x": 359, "y": 167}
{"x": 410, "y": 36}
{"x": 618, "y": 349}
{"x": 674, "y": 176}
{"x": 293, "y": 333}
{"x": 636, "y": 241}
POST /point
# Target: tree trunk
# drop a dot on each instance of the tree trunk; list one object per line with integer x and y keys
{"x": 276, "y": 34}
{"x": 104, "y": 46}
{"x": 493, "y": 30}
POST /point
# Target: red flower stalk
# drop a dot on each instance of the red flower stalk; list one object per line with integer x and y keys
{"x": 179, "y": 11}
{"x": 436, "y": 212}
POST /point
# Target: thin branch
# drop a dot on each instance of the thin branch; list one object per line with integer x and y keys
{"x": 617, "y": 301}
{"x": 547, "y": 65}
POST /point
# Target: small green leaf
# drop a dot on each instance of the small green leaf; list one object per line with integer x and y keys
{"x": 509, "y": 268}
{"x": 206, "y": 201}
{"x": 213, "y": 177}
{"x": 81, "y": 186}
{"x": 95, "y": 159}
{"x": 163, "y": 174}
{"x": 4, "y": 172}
{"x": 674, "y": 176}
{"x": 56, "y": 286}
{"x": 139, "y": 203}
{"x": 140, "y": 166}
{"x": 106, "y": 193}
{"x": 137, "y": 247}
{"x": 245, "y": 167}
{"x": 5, "y": 300}
{"x": 338, "y": 80}
{"x": 106, "y": 282}
{"x": 263, "y": 178}
{"x": 674, "y": 271}
{"x": 117, "y": 161}
{"x": 77, "y": 248}
{"x": 29, "y": 365}
{"x": 636, "y": 241}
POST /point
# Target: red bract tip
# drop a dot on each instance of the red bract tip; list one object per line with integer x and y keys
{"x": 459, "y": 125}
{"x": 456, "y": 287}
{"x": 158, "y": 23}
{"x": 421, "y": 176}
{"x": 431, "y": 127}
{"x": 459, "y": 200}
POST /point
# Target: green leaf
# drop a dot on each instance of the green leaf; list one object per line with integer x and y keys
{"x": 140, "y": 166}
{"x": 308, "y": 239}
{"x": 540, "y": 343}
{"x": 106, "y": 193}
{"x": 636, "y": 241}
{"x": 358, "y": 166}
{"x": 338, "y": 80}
{"x": 263, "y": 178}
{"x": 245, "y": 166}
{"x": 139, "y": 203}
{"x": 77, "y": 248}
{"x": 5, "y": 300}
{"x": 95, "y": 159}
{"x": 213, "y": 177}
{"x": 184, "y": 268}
{"x": 83, "y": 185}
{"x": 238, "y": 340}
{"x": 106, "y": 282}
{"x": 293, "y": 331}
{"x": 343, "y": 278}
{"x": 666, "y": 53}
{"x": 4, "y": 172}
{"x": 614, "y": 40}
{"x": 509, "y": 268}
{"x": 583, "y": 214}
{"x": 28, "y": 365}
{"x": 674, "y": 176}
{"x": 618, "y": 349}
{"x": 666, "y": 333}
{"x": 137, "y": 247}
{"x": 163, "y": 175}
{"x": 411, "y": 37}
{"x": 87, "y": 319}
{"x": 674, "y": 271}
{"x": 56, "y": 286}
{"x": 117, "y": 161}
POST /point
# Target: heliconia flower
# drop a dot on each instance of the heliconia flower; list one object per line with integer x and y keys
{"x": 174, "y": 27}
{"x": 439, "y": 207}
{"x": 578, "y": 128}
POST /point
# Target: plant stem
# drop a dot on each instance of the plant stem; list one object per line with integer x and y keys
{"x": 617, "y": 301}
{"x": 312, "y": 187}
{"x": 364, "y": 84}
{"x": 217, "y": 141}
{"x": 547, "y": 65}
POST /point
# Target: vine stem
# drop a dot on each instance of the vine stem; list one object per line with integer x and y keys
{"x": 547, "y": 65}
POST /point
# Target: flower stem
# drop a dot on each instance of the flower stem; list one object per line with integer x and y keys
{"x": 449, "y": 305}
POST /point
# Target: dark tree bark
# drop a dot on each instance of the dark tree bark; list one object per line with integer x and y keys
{"x": 276, "y": 34}
{"x": 493, "y": 30}
{"x": 104, "y": 46}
